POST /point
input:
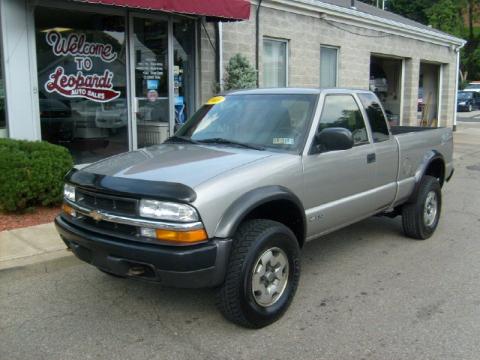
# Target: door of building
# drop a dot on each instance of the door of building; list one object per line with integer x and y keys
{"x": 162, "y": 58}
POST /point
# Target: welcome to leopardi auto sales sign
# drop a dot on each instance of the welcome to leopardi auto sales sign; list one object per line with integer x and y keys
{"x": 95, "y": 87}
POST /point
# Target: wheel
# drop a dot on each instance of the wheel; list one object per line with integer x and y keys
{"x": 262, "y": 274}
{"x": 470, "y": 108}
{"x": 420, "y": 218}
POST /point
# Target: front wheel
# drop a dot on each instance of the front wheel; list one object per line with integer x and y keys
{"x": 420, "y": 218}
{"x": 262, "y": 275}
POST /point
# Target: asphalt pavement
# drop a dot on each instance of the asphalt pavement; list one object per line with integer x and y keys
{"x": 366, "y": 292}
{"x": 473, "y": 116}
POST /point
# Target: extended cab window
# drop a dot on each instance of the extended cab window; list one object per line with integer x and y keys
{"x": 342, "y": 111}
{"x": 376, "y": 117}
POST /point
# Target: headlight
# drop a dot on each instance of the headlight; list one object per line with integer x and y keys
{"x": 69, "y": 192}
{"x": 463, "y": 103}
{"x": 167, "y": 211}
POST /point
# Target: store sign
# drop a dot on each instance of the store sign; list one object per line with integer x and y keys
{"x": 91, "y": 86}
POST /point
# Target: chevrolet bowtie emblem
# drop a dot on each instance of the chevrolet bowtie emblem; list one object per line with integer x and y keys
{"x": 95, "y": 215}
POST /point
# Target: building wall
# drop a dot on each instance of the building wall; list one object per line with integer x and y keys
{"x": 307, "y": 32}
{"x": 20, "y": 77}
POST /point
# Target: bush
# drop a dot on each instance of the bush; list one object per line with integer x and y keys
{"x": 240, "y": 74}
{"x": 31, "y": 173}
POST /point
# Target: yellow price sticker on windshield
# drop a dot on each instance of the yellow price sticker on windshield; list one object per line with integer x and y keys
{"x": 216, "y": 100}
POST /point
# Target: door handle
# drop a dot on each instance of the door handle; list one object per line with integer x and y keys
{"x": 371, "y": 158}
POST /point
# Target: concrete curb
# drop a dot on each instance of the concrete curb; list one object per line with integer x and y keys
{"x": 25, "y": 246}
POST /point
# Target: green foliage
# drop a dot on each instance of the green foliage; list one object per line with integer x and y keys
{"x": 413, "y": 9}
{"x": 31, "y": 173}
{"x": 240, "y": 74}
{"x": 446, "y": 15}
{"x": 456, "y": 17}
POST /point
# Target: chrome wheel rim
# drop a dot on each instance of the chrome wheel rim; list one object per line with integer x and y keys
{"x": 431, "y": 208}
{"x": 270, "y": 277}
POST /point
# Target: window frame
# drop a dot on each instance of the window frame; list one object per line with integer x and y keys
{"x": 367, "y": 119}
{"x": 337, "y": 48}
{"x": 316, "y": 124}
{"x": 287, "y": 58}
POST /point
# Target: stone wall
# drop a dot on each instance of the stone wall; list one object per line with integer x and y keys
{"x": 307, "y": 32}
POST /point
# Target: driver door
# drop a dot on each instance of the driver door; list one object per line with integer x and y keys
{"x": 338, "y": 184}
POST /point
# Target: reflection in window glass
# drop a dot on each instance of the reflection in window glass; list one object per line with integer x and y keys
{"x": 274, "y": 63}
{"x": 342, "y": 111}
{"x": 375, "y": 117}
{"x": 81, "y": 60}
{"x": 273, "y": 121}
{"x": 184, "y": 69}
{"x": 3, "y": 114}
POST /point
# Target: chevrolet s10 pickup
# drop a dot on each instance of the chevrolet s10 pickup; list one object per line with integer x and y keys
{"x": 229, "y": 201}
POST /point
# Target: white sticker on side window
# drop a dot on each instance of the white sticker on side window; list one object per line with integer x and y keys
{"x": 283, "y": 141}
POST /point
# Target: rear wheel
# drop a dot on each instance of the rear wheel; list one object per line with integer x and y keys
{"x": 420, "y": 218}
{"x": 262, "y": 275}
{"x": 470, "y": 108}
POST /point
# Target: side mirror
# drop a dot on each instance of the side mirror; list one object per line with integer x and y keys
{"x": 331, "y": 139}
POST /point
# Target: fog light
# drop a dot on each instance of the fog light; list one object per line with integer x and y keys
{"x": 67, "y": 209}
{"x": 148, "y": 232}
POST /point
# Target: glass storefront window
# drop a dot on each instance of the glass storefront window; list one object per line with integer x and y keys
{"x": 81, "y": 58}
{"x": 3, "y": 113}
{"x": 150, "y": 41}
{"x": 184, "y": 69}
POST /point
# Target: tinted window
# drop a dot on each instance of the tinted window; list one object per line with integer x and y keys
{"x": 375, "y": 117}
{"x": 342, "y": 111}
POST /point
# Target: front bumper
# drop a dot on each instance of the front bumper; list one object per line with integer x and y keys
{"x": 195, "y": 266}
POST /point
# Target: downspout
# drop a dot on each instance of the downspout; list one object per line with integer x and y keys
{"x": 220, "y": 55}
{"x": 456, "y": 89}
{"x": 218, "y": 51}
{"x": 257, "y": 41}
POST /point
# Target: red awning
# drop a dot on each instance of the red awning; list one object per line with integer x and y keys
{"x": 226, "y": 9}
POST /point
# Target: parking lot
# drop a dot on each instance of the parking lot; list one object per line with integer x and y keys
{"x": 366, "y": 292}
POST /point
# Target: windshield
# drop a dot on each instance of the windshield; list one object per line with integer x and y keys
{"x": 464, "y": 95}
{"x": 278, "y": 122}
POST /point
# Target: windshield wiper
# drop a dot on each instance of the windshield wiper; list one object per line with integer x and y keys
{"x": 230, "y": 142}
{"x": 183, "y": 139}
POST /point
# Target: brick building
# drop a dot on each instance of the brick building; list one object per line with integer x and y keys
{"x": 101, "y": 79}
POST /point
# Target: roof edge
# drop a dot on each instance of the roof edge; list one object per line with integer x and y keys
{"x": 365, "y": 20}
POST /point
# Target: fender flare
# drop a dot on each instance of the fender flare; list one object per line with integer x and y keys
{"x": 429, "y": 157}
{"x": 242, "y": 206}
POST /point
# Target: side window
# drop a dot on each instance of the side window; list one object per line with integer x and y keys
{"x": 376, "y": 118}
{"x": 342, "y": 111}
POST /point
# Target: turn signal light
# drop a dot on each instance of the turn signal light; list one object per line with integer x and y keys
{"x": 185, "y": 237}
{"x": 67, "y": 209}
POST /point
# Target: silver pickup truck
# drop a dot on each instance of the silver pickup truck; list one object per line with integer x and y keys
{"x": 229, "y": 201}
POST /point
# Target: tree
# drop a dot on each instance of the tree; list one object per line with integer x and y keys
{"x": 415, "y": 10}
{"x": 456, "y": 17}
{"x": 240, "y": 74}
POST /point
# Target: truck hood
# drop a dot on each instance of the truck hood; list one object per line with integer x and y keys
{"x": 188, "y": 164}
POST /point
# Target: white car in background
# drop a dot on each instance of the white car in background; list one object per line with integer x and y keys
{"x": 473, "y": 86}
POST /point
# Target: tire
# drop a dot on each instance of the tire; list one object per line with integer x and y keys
{"x": 420, "y": 218}
{"x": 254, "y": 243}
{"x": 470, "y": 108}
